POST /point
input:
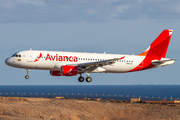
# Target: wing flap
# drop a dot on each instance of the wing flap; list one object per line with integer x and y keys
{"x": 91, "y": 66}
{"x": 100, "y": 63}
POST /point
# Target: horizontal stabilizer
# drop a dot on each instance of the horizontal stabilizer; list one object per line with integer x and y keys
{"x": 162, "y": 63}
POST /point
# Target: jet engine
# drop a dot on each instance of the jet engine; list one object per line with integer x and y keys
{"x": 65, "y": 71}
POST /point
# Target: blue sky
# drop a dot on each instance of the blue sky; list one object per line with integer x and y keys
{"x": 114, "y": 26}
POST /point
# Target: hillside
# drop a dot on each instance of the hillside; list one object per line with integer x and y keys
{"x": 15, "y": 108}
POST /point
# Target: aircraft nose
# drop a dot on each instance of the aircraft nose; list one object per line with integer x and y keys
{"x": 8, "y": 61}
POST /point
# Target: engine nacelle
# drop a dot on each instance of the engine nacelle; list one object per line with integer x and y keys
{"x": 65, "y": 71}
{"x": 55, "y": 72}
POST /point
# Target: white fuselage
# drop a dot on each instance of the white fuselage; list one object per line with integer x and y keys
{"x": 51, "y": 60}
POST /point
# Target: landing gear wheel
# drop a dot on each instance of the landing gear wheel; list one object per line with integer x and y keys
{"x": 81, "y": 79}
{"x": 27, "y": 76}
{"x": 88, "y": 79}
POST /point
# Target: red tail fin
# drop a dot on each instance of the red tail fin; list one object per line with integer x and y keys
{"x": 160, "y": 45}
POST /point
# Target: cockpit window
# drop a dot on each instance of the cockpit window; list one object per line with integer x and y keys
{"x": 16, "y": 55}
{"x": 13, "y": 55}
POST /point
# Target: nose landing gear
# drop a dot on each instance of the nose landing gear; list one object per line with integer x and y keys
{"x": 27, "y": 76}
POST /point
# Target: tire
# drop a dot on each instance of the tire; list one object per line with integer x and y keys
{"x": 27, "y": 76}
{"x": 81, "y": 79}
{"x": 88, "y": 79}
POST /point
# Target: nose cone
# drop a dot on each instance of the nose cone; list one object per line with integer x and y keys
{"x": 9, "y": 61}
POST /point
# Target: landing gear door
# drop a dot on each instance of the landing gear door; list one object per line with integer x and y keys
{"x": 29, "y": 56}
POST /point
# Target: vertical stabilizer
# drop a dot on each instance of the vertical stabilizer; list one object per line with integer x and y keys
{"x": 160, "y": 45}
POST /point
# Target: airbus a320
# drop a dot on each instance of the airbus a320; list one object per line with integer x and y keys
{"x": 73, "y": 63}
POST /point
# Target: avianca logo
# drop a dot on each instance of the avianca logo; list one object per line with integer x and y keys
{"x": 58, "y": 58}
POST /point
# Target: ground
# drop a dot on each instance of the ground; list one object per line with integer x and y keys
{"x": 16, "y": 108}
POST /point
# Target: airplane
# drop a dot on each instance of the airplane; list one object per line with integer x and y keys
{"x": 73, "y": 63}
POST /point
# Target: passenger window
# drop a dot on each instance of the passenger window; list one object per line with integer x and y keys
{"x": 19, "y": 55}
{"x": 16, "y": 56}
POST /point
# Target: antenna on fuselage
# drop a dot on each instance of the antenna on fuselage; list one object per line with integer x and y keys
{"x": 30, "y": 49}
{"x": 104, "y": 52}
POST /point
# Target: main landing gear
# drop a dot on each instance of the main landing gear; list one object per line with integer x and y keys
{"x": 27, "y": 76}
{"x": 88, "y": 78}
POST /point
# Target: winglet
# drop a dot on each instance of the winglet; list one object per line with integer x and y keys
{"x": 160, "y": 45}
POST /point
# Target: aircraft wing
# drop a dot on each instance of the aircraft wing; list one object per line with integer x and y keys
{"x": 91, "y": 66}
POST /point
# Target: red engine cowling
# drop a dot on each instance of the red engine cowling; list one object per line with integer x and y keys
{"x": 55, "y": 72}
{"x": 65, "y": 71}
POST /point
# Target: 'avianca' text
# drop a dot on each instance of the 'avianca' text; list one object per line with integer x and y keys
{"x": 58, "y": 58}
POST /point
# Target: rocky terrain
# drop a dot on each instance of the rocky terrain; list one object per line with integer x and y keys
{"x": 16, "y": 108}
